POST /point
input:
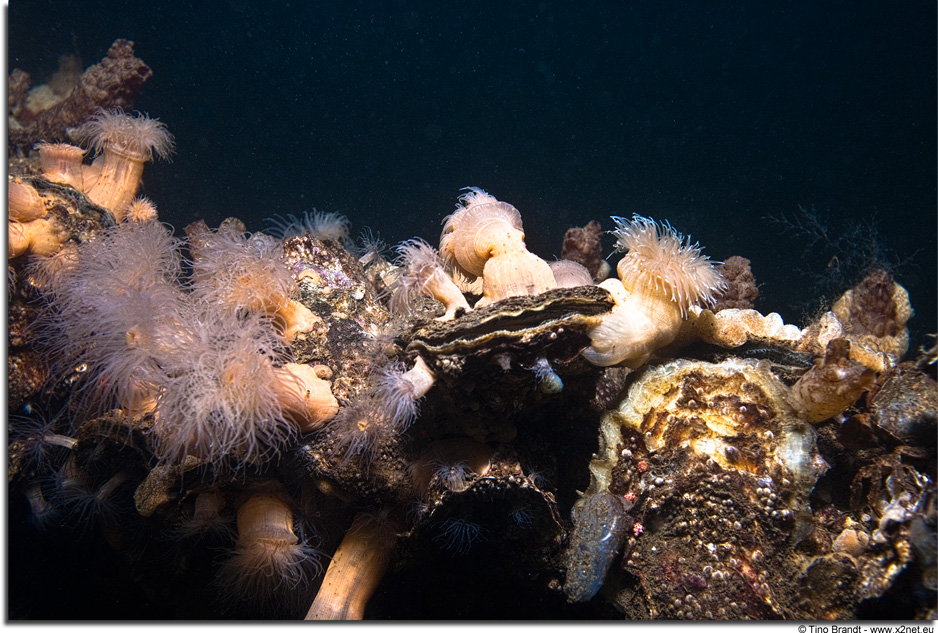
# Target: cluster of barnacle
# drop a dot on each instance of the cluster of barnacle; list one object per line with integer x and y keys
{"x": 223, "y": 374}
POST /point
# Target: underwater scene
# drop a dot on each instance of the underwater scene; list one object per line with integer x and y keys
{"x": 471, "y": 311}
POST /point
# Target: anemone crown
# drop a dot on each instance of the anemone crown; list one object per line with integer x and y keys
{"x": 323, "y": 225}
{"x": 139, "y": 137}
{"x": 660, "y": 257}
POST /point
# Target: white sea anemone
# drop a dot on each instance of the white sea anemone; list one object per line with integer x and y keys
{"x": 660, "y": 277}
{"x": 660, "y": 257}
{"x": 423, "y": 274}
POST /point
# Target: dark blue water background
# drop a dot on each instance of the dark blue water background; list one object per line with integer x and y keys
{"x": 712, "y": 115}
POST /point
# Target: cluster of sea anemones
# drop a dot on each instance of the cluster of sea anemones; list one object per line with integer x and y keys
{"x": 218, "y": 379}
{"x": 123, "y": 143}
{"x": 30, "y": 230}
{"x": 388, "y": 407}
{"x": 239, "y": 273}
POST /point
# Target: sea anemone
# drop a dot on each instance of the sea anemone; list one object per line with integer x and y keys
{"x": 246, "y": 273}
{"x": 323, "y": 225}
{"x": 138, "y": 137}
{"x": 61, "y": 163}
{"x": 270, "y": 561}
{"x": 397, "y": 393}
{"x": 455, "y": 477}
{"x": 570, "y": 274}
{"x": 45, "y": 272}
{"x": 207, "y": 517}
{"x": 370, "y": 247}
{"x": 358, "y": 431}
{"x": 82, "y": 500}
{"x": 115, "y": 312}
{"x": 141, "y": 209}
{"x": 450, "y": 463}
{"x": 306, "y": 397}
{"x": 832, "y": 384}
{"x": 24, "y": 203}
{"x": 423, "y": 274}
{"x": 484, "y": 238}
{"x": 547, "y": 379}
{"x": 36, "y": 439}
{"x": 43, "y": 515}
{"x": 30, "y": 230}
{"x": 388, "y": 407}
{"x": 43, "y": 237}
{"x": 124, "y": 142}
{"x": 458, "y": 535}
{"x": 659, "y": 256}
{"x": 357, "y": 568}
{"x": 225, "y": 394}
{"x": 660, "y": 277}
